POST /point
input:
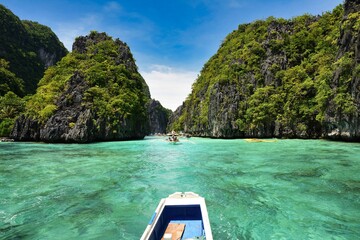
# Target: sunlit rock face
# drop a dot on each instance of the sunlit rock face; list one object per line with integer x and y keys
{"x": 296, "y": 78}
{"x": 343, "y": 122}
{"x": 94, "y": 94}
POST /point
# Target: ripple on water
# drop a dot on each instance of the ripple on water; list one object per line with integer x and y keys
{"x": 302, "y": 173}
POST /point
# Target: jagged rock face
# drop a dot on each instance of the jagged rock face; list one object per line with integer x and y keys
{"x": 271, "y": 79}
{"x": 48, "y": 59}
{"x": 103, "y": 105}
{"x": 351, "y": 6}
{"x": 342, "y": 124}
{"x": 82, "y": 43}
{"x": 225, "y": 96}
{"x": 26, "y": 129}
{"x": 158, "y": 117}
{"x": 124, "y": 57}
{"x": 72, "y": 121}
{"x": 58, "y": 127}
{"x": 223, "y": 108}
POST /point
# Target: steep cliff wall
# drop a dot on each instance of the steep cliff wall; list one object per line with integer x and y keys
{"x": 275, "y": 78}
{"x": 93, "y": 94}
{"x": 158, "y": 117}
{"x": 343, "y": 113}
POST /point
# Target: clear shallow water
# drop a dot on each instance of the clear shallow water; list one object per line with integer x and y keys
{"x": 289, "y": 189}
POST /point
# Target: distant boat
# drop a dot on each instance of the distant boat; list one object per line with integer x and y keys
{"x": 179, "y": 216}
{"x": 173, "y": 137}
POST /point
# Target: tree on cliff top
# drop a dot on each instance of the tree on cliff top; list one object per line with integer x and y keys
{"x": 269, "y": 78}
{"x": 99, "y": 75}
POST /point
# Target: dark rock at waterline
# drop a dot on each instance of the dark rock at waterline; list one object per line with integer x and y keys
{"x": 74, "y": 121}
{"x": 26, "y": 129}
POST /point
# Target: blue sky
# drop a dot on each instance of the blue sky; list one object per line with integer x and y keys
{"x": 170, "y": 40}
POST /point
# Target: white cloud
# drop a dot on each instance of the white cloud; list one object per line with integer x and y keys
{"x": 168, "y": 85}
{"x": 112, "y": 7}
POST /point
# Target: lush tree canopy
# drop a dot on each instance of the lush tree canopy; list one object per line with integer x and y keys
{"x": 29, "y": 48}
{"x": 281, "y": 72}
{"x": 115, "y": 90}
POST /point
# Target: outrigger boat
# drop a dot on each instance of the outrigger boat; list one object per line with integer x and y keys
{"x": 173, "y": 137}
{"x": 179, "y": 216}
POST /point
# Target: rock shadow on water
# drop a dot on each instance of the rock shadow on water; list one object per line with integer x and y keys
{"x": 249, "y": 198}
{"x": 345, "y": 163}
{"x": 85, "y": 214}
{"x": 352, "y": 187}
{"x": 303, "y": 173}
{"x": 255, "y": 212}
{"x": 339, "y": 229}
{"x": 15, "y": 231}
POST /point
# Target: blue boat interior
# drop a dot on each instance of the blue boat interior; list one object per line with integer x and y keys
{"x": 193, "y": 228}
{"x": 189, "y": 215}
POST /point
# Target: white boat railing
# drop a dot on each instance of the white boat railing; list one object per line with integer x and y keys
{"x": 176, "y": 199}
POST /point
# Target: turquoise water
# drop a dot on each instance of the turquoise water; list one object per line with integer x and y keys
{"x": 289, "y": 189}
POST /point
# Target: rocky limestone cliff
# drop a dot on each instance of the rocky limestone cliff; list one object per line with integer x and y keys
{"x": 268, "y": 79}
{"x": 47, "y": 58}
{"x": 158, "y": 117}
{"x": 103, "y": 105}
{"x": 343, "y": 122}
{"x": 213, "y": 111}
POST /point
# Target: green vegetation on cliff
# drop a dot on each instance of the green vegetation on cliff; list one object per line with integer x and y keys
{"x": 9, "y": 81}
{"x": 26, "y": 50}
{"x": 29, "y": 48}
{"x": 95, "y": 93}
{"x": 269, "y": 78}
{"x": 11, "y": 106}
{"x": 114, "y": 88}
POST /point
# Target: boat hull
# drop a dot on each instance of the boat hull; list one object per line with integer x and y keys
{"x": 178, "y": 210}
